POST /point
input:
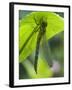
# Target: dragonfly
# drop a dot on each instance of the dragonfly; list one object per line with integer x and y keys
{"x": 41, "y": 29}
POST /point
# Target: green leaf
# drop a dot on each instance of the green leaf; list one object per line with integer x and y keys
{"x": 55, "y": 25}
{"x": 43, "y": 69}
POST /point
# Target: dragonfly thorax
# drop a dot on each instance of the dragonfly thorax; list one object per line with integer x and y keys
{"x": 43, "y": 25}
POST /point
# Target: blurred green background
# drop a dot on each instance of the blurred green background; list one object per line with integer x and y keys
{"x": 55, "y": 46}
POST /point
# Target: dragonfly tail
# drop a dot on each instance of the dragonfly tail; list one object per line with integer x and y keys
{"x": 36, "y": 54}
{"x": 35, "y": 66}
{"x": 36, "y": 59}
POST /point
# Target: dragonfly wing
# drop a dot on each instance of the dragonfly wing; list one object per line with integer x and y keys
{"x": 45, "y": 50}
{"x": 34, "y": 31}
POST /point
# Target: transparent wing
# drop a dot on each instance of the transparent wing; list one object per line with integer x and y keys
{"x": 46, "y": 51}
{"x": 34, "y": 31}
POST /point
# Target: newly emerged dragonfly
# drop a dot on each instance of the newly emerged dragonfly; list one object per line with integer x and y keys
{"x": 41, "y": 29}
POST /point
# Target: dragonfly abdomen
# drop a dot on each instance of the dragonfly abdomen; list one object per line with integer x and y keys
{"x": 37, "y": 50}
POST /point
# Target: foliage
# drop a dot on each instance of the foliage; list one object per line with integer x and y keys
{"x": 55, "y": 25}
